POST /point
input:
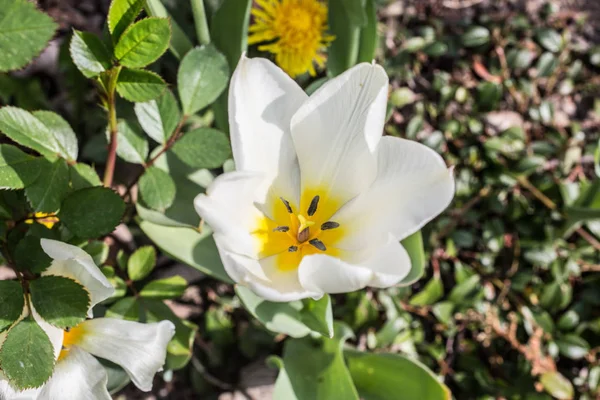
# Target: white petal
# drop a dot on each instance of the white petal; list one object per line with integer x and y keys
{"x": 324, "y": 274}
{"x": 78, "y": 376}
{"x": 390, "y": 264}
{"x": 73, "y": 262}
{"x": 336, "y": 130}
{"x": 140, "y": 349}
{"x": 56, "y": 335}
{"x": 413, "y": 186}
{"x": 7, "y": 392}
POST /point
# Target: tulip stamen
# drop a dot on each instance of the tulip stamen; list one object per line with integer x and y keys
{"x": 287, "y": 205}
{"x": 318, "y": 244}
{"x": 312, "y": 209}
{"x": 329, "y": 225}
{"x": 281, "y": 229}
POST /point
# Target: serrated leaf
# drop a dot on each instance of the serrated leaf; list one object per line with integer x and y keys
{"x": 17, "y": 169}
{"x": 157, "y": 189}
{"x": 83, "y": 176}
{"x": 61, "y": 131}
{"x": 143, "y": 42}
{"x": 29, "y": 255}
{"x": 12, "y": 302}
{"x": 180, "y": 43}
{"x": 141, "y": 263}
{"x": 27, "y": 356}
{"x": 167, "y": 288}
{"x": 140, "y": 85}
{"x": 132, "y": 146}
{"x": 203, "y": 75}
{"x": 159, "y": 118}
{"x": 60, "y": 301}
{"x": 92, "y": 212}
{"x": 48, "y": 191}
{"x": 203, "y": 148}
{"x": 89, "y": 54}
{"x": 24, "y": 32}
{"x": 121, "y": 14}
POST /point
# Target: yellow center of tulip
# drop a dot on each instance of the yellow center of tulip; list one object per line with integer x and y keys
{"x": 71, "y": 336}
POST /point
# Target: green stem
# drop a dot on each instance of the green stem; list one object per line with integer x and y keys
{"x": 200, "y": 21}
{"x": 112, "y": 127}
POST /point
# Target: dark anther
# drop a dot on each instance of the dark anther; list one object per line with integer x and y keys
{"x": 292, "y": 249}
{"x": 318, "y": 244}
{"x": 67, "y": 329}
{"x": 312, "y": 209}
{"x": 329, "y": 225}
{"x": 281, "y": 229}
{"x": 303, "y": 236}
{"x": 287, "y": 205}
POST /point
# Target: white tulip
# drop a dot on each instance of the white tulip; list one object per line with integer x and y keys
{"x": 319, "y": 200}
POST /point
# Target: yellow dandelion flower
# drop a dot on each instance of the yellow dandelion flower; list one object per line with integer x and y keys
{"x": 46, "y": 219}
{"x": 296, "y": 32}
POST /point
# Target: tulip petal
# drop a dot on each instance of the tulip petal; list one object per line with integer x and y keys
{"x": 7, "y": 392}
{"x": 77, "y": 376}
{"x": 56, "y": 335}
{"x": 336, "y": 131}
{"x": 73, "y": 262}
{"x": 390, "y": 263}
{"x": 324, "y": 274}
{"x": 140, "y": 349}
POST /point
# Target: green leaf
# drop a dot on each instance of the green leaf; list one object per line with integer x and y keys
{"x": 157, "y": 189}
{"x": 48, "y": 191}
{"x": 391, "y": 376}
{"x": 432, "y": 292}
{"x": 463, "y": 292}
{"x": 61, "y": 131}
{"x": 475, "y": 36}
{"x": 60, "y": 301}
{"x": 12, "y": 302}
{"x": 30, "y": 256}
{"x": 312, "y": 372}
{"x": 557, "y": 385}
{"x": 203, "y": 75}
{"x": 121, "y": 14}
{"x": 191, "y": 247}
{"x": 318, "y": 316}
{"x": 138, "y": 85}
{"x": 141, "y": 263}
{"x": 127, "y": 308}
{"x": 92, "y": 212}
{"x": 343, "y": 52}
{"x": 180, "y": 43}
{"x": 547, "y": 64}
{"x": 17, "y": 169}
{"x": 27, "y": 356}
{"x": 368, "y": 34}
{"x": 24, "y": 32}
{"x": 414, "y": 247}
{"x": 203, "y": 148}
{"x": 143, "y": 42}
{"x": 573, "y": 346}
{"x": 132, "y": 145}
{"x": 159, "y": 117}
{"x": 549, "y": 39}
{"x": 98, "y": 249}
{"x": 83, "y": 176}
{"x": 30, "y": 131}
{"x": 167, "y": 288}
{"x": 89, "y": 54}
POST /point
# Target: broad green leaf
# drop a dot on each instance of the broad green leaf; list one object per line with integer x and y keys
{"x": 391, "y": 376}
{"x": 278, "y": 317}
{"x": 92, "y": 212}
{"x": 51, "y": 187}
{"x": 547, "y": 64}
{"x": 121, "y": 14}
{"x": 126, "y": 308}
{"x": 132, "y": 145}
{"x": 138, "y": 85}
{"x": 166, "y": 288}
{"x": 573, "y": 346}
{"x": 89, "y": 54}
{"x": 343, "y": 51}
{"x": 17, "y": 169}
{"x": 141, "y": 263}
{"x": 29, "y": 255}
{"x": 475, "y": 36}
{"x": 203, "y": 148}
{"x": 12, "y": 302}
{"x": 98, "y": 249}
{"x": 414, "y": 247}
{"x": 355, "y": 11}
{"x": 24, "y": 32}
{"x": 157, "y": 189}
{"x": 550, "y": 39}
{"x": 180, "y": 43}
{"x": 315, "y": 372}
{"x": 60, "y": 301}
{"x": 191, "y": 247}
{"x": 83, "y": 176}
{"x": 318, "y": 315}
{"x": 203, "y": 75}
{"x": 368, "y": 34}
{"x": 29, "y": 131}
{"x": 557, "y": 385}
{"x": 62, "y": 132}
{"x": 143, "y": 42}
{"x": 159, "y": 118}
{"x": 27, "y": 356}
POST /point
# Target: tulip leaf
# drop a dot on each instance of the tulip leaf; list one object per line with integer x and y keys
{"x": 92, "y": 212}
{"x": 89, "y": 54}
{"x": 180, "y": 44}
{"x": 203, "y": 75}
{"x": 27, "y": 356}
{"x": 368, "y": 34}
{"x": 24, "y": 32}
{"x": 343, "y": 52}
{"x": 121, "y": 14}
{"x": 29, "y": 255}
{"x": 60, "y": 301}
{"x": 203, "y": 148}
{"x": 17, "y": 169}
{"x": 143, "y": 42}
{"x": 318, "y": 315}
{"x": 166, "y": 288}
{"x": 138, "y": 85}
{"x": 132, "y": 145}
{"x": 391, "y": 376}
{"x": 51, "y": 187}
{"x": 414, "y": 246}
{"x": 157, "y": 189}
{"x": 159, "y": 118}
{"x": 12, "y": 302}
{"x": 141, "y": 263}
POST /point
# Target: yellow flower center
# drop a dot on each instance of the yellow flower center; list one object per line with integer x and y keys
{"x": 296, "y": 30}
{"x": 295, "y": 232}
{"x": 71, "y": 336}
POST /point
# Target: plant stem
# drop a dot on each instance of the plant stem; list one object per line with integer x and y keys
{"x": 112, "y": 126}
{"x": 200, "y": 21}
